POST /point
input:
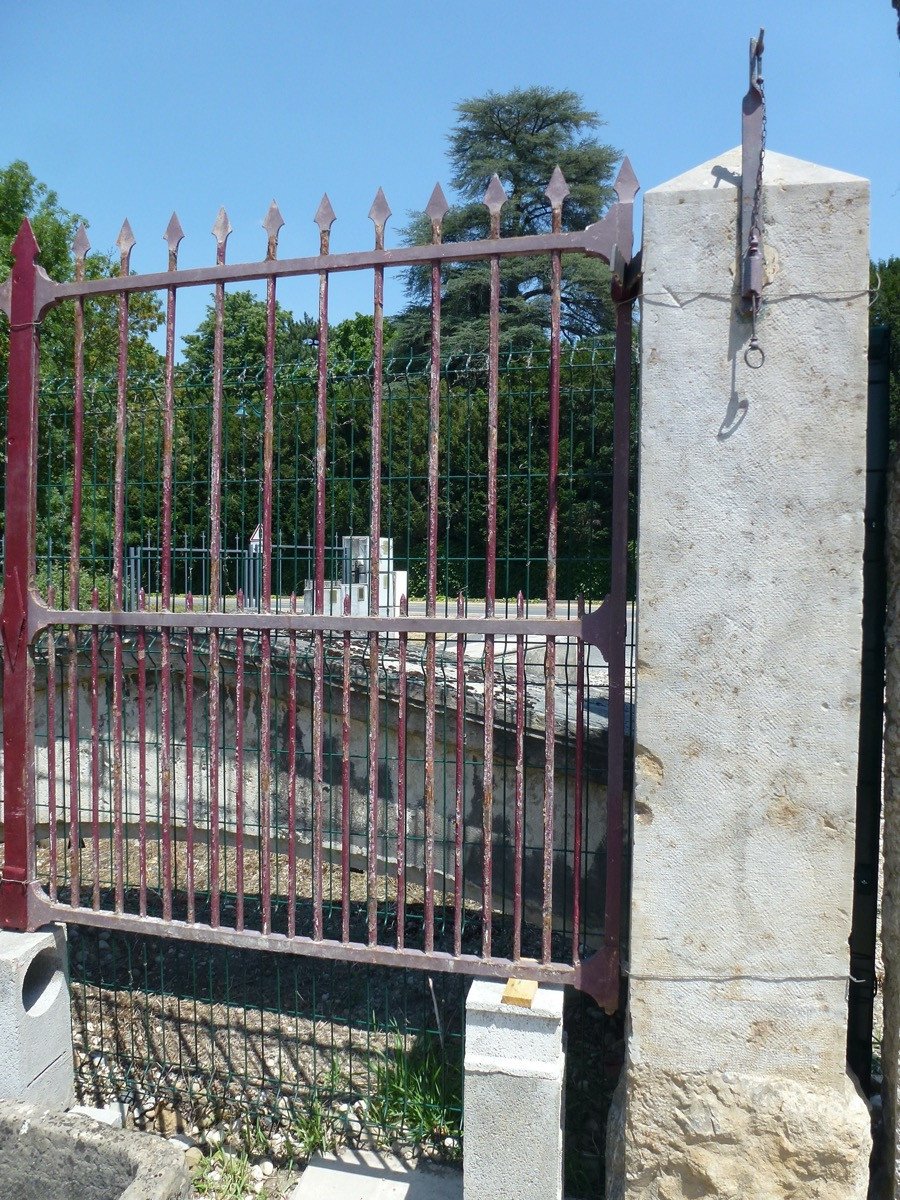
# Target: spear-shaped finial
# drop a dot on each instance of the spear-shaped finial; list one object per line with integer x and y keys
{"x": 125, "y": 241}
{"x": 495, "y": 197}
{"x": 556, "y": 192}
{"x": 172, "y": 237}
{"x": 220, "y": 231}
{"x": 324, "y": 218}
{"x": 437, "y": 208}
{"x": 378, "y": 215}
{"x": 272, "y": 223}
{"x": 80, "y": 247}
{"x": 626, "y": 185}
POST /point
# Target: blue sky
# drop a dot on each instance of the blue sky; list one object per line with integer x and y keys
{"x": 133, "y": 109}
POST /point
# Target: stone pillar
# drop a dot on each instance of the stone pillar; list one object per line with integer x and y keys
{"x": 513, "y": 1097}
{"x": 35, "y": 1019}
{"x": 750, "y": 599}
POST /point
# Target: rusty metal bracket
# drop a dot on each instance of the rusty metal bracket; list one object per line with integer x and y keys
{"x": 753, "y": 128}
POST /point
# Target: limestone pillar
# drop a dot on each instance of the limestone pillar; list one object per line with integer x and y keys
{"x": 750, "y": 599}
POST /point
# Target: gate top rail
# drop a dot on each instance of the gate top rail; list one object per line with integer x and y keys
{"x": 609, "y": 239}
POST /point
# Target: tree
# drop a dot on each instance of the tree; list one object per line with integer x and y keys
{"x": 23, "y": 195}
{"x": 885, "y": 310}
{"x": 520, "y": 136}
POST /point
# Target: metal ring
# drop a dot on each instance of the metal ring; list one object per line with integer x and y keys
{"x": 756, "y": 364}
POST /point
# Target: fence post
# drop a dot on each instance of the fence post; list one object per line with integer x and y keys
{"x": 18, "y": 664}
{"x": 750, "y": 600}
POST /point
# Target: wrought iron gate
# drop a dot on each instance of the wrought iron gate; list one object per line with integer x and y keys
{"x": 196, "y": 886}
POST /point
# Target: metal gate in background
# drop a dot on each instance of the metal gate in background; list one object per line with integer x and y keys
{"x": 194, "y": 768}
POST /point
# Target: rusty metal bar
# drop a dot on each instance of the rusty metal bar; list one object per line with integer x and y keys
{"x": 324, "y": 219}
{"x": 191, "y": 880}
{"x": 80, "y": 247}
{"x": 459, "y": 782}
{"x": 401, "y": 782}
{"x": 239, "y": 775}
{"x": 345, "y": 783}
{"x": 599, "y": 239}
{"x": 41, "y": 911}
{"x": 378, "y": 214}
{"x": 51, "y": 754}
{"x": 494, "y": 198}
{"x": 519, "y": 785}
{"x": 173, "y": 237}
{"x": 125, "y": 243}
{"x": 578, "y": 798}
{"x": 142, "y": 761}
{"x": 272, "y": 225}
{"x": 95, "y": 758}
{"x": 40, "y": 617}
{"x": 292, "y": 777}
{"x": 18, "y": 569}
{"x": 220, "y": 230}
{"x": 434, "y": 398}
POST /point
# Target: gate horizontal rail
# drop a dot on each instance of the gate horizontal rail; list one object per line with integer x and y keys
{"x": 209, "y": 743}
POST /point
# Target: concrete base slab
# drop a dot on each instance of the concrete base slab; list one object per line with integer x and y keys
{"x": 373, "y": 1175}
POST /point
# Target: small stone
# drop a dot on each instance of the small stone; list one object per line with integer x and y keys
{"x": 266, "y": 1167}
{"x": 213, "y": 1137}
{"x": 193, "y": 1156}
{"x": 256, "y": 1172}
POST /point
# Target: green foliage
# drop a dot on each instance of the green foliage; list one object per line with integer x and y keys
{"x": 418, "y": 1095}
{"x": 521, "y": 136}
{"x": 313, "y": 1130}
{"x": 22, "y": 195}
{"x": 223, "y": 1176}
{"x": 885, "y": 280}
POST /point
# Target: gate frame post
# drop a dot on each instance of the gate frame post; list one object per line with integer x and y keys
{"x": 18, "y": 576}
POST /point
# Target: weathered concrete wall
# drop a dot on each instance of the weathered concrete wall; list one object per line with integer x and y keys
{"x": 890, "y": 902}
{"x": 750, "y": 600}
{"x": 593, "y": 878}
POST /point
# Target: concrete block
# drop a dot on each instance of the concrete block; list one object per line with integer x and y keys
{"x": 35, "y": 1018}
{"x": 375, "y": 1175}
{"x": 514, "y": 1074}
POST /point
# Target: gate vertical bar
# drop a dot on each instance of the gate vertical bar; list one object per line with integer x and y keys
{"x": 495, "y": 197}
{"x": 324, "y": 218}
{"x": 618, "y": 601}
{"x": 436, "y": 210}
{"x": 125, "y": 243}
{"x": 378, "y": 214}
{"x": 18, "y": 664}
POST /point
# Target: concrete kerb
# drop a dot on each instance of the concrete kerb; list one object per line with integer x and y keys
{"x": 36, "y": 1061}
{"x": 513, "y": 1095}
